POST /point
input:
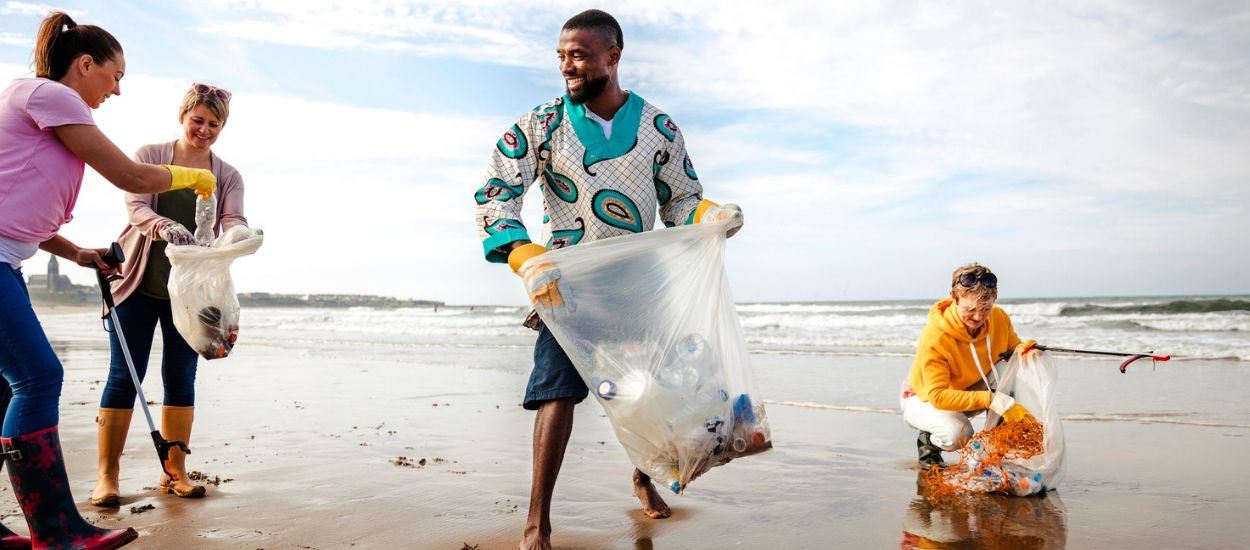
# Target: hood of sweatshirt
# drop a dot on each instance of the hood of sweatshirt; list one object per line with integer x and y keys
{"x": 945, "y": 316}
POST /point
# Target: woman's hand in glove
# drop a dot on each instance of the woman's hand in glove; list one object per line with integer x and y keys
{"x": 176, "y": 234}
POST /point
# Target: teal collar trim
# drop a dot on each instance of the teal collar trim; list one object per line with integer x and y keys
{"x": 624, "y": 129}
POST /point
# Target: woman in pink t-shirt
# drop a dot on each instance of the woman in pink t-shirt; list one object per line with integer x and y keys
{"x": 47, "y": 134}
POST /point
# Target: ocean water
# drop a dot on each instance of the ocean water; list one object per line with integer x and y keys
{"x": 1187, "y": 328}
{"x": 848, "y": 355}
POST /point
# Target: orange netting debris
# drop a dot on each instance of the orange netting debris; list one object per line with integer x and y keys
{"x": 1017, "y": 440}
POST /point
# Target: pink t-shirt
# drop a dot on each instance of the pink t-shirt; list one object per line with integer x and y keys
{"x": 39, "y": 176}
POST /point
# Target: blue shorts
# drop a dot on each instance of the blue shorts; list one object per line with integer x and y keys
{"x": 554, "y": 376}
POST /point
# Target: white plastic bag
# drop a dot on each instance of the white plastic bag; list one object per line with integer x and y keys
{"x": 201, "y": 293}
{"x": 1031, "y": 380}
{"x": 649, "y": 323}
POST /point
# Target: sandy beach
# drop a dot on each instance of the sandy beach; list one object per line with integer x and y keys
{"x": 424, "y": 445}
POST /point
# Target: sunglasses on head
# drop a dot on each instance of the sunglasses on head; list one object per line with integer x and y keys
{"x": 205, "y": 89}
{"x": 969, "y": 280}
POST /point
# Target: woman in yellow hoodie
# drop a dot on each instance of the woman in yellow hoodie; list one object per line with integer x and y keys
{"x": 952, "y": 378}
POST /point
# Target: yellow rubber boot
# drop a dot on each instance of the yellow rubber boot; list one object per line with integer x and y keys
{"x": 113, "y": 427}
{"x": 176, "y": 425}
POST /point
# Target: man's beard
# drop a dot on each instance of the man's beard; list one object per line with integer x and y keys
{"x": 590, "y": 90}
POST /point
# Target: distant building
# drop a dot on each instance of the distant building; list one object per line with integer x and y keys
{"x": 53, "y": 282}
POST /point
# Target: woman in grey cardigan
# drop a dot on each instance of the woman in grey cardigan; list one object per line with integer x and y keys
{"x": 142, "y": 296}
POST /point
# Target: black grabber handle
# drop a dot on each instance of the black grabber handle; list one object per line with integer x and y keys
{"x": 114, "y": 257}
{"x": 162, "y": 451}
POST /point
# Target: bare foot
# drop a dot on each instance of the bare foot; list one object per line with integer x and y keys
{"x": 535, "y": 540}
{"x": 652, "y": 505}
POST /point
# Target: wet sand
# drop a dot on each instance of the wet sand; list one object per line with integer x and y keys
{"x": 322, "y": 448}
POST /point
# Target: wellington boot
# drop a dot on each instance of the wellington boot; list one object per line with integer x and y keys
{"x": 176, "y": 425}
{"x": 37, "y": 470}
{"x": 9, "y": 539}
{"x": 114, "y": 424}
{"x": 930, "y": 454}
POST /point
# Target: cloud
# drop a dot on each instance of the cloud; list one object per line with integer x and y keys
{"x": 340, "y": 190}
{"x": 14, "y": 39}
{"x": 28, "y": 9}
{"x": 873, "y": 147}
{"x": 1124, "y": 100}
{"x": 1058, "y": 94}
{"x": 467, "y": 30}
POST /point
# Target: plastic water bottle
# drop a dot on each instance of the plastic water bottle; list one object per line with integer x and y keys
{"x": 681, "y": 377}
{"x": 205, "y": 219}
{"x": 743, "y": 411}
{"x": 606, "y": 389}
{"x": 631, "y": 388}
{"x": 690, "y": 348}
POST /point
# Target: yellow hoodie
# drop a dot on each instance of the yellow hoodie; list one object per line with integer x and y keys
{"x": 944, "y": 367}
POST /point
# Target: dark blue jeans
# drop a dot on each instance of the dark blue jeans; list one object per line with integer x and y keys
{"x": 32, "y": 373}
{"x": 139, "y": 315}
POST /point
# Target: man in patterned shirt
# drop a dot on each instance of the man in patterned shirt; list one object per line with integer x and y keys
{"x": 605, "y": 156}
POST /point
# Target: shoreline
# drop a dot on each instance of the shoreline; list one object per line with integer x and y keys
{"x": 318, "y": 444}
{"x": 334, "y": 436}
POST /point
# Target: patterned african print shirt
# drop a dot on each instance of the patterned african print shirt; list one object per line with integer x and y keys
{"x": 593, "y": 187}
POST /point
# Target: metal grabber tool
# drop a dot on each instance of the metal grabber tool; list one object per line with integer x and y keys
{"x": 1123, "y": 366}
{"x": 114, "y": 258}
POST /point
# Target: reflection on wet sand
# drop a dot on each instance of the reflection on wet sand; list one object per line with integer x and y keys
{"x": 984, "y": 521}
{"x": 62, "y": 347}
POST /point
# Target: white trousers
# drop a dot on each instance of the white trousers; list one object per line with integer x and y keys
{"x": 950, "y": 430}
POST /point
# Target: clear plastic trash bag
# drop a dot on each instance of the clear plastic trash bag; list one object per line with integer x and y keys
{"x": 201, "y": 293}
{"x": 649, "y": 323}
{"x": 1031, "y": 379}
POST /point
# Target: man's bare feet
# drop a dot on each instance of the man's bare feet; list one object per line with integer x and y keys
{"x": 552, "y": 426}
{"x": 652, "y": 505}
{"x": 535, "y": 539}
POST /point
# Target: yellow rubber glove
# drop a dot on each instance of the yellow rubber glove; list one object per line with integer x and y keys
{"x": 700, "y": 210}
{"x": 197, "y": 179}
{"x": 546, "y": 295}
{"x": 522, "y": 254}
{"x": 1027, "y": 346}
{"x": 708, "y": 212}
{"x": 1018, "y": 413}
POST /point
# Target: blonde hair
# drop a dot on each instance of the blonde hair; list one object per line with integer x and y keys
{"x": 978, "y": 293}
{"x": 219, "y": 106}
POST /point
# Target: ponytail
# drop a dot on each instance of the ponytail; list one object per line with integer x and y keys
{"x": 60, "y": 41}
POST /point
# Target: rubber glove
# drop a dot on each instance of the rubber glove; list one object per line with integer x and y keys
{"x": 176, "y": 234}
{"x": 708, "y": 212}
{"x": 548, "y": 294}
{"x": 1027, "y": 346}
{"x": 1017, "y": 413}
{"x": 1011, "y": 411}
{"x": 198, "y": 179}
{"x": 521, "y": 254}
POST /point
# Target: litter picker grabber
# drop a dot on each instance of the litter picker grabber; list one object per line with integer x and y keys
{"x": 1123, "y": 366}
{"x": 114, "y": 258}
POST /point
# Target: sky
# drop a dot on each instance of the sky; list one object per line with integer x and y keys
{"x": 1076, "y": 148}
